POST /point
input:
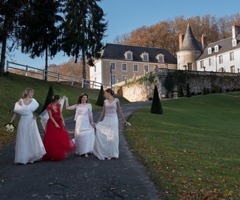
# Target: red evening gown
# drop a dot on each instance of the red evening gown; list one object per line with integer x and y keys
{"x": 56, "y": 141}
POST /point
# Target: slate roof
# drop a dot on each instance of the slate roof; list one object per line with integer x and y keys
{"x": 116, "y": 52}
{"x": 224, "y": 45}
{"x": 189, "y": 41}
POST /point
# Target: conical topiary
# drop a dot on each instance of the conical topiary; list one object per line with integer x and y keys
{"x": 101, "y": 98}
{"x": 156, "y": 107}
{"x": 48, "y": 99}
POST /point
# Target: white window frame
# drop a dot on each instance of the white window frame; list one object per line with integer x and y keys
{"x": 216, "y": 48}
{"x": 125, "y": 65}
{"x": 231, "y": 55}
{"x": 113, "y": 79}
{"x": 234, "y": 42}
{"x": 128, "y": 55}
{"x": 160, "y": 58}
{"x": 210, "y": 62}
{"x": 134, "y": 68}
{"x": 201, "y": 64}
{"x": 113, "y": 66}
{"x": 144, "y": 68}
{"x": 145, "y": 56}
{"x": 220, "y": 59}
{"x": 209, "y": 50}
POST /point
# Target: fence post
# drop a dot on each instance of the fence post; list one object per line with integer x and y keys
{"x": 26, "y": 72}
{"x": 58, "y": 77}
{"x": 82, "y": 83}
{"x": 7, "y": 66}
{"x": 43, "y": 74}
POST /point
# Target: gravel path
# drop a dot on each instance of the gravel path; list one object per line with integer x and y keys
{"x": 78, "y": 178}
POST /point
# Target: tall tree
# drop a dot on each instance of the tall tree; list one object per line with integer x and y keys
{"x": 40, "y": 29}
{"x": 9, "y": 15}
{"x": 83, "y": 30}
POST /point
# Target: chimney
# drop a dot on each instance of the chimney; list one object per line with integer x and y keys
{"x": 181, "y": 37}
{"x": 235, "y": 31}
{"x": 204, "y": 41}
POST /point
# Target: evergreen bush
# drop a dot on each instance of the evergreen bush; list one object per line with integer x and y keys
{"x": 101, "y": 98}
{"x": 156, "y": 107}
{"x": 48, "y": 99}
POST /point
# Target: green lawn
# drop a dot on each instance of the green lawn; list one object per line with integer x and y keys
{"x": 193, "y": 149}
{"x": 12, "y": 86}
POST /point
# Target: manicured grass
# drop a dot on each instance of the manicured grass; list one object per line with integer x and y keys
{"x": 12, "y": 86}
{"x": 193, "y": 149}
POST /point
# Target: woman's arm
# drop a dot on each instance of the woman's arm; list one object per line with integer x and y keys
{"x": 51, "y": 118}
{"x": 73, "y": 107}
{"x": 120, "y": 111}
{"x": 90, "y": 114}
{"x": 102, "y": 114}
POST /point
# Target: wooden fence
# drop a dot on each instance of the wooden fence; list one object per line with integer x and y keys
{"x": 37, "y": 73}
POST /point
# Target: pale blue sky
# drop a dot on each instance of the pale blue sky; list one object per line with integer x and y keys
{"x": 123, "y": 16}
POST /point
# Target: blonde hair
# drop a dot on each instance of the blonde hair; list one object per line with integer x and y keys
{"x": 26, "y": 92}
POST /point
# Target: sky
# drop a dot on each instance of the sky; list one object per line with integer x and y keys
{"x": 124, "y": 16}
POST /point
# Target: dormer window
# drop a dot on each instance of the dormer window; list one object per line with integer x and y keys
{"x": 216, "y": 48}
{"x": 234, "y": 42}
{"x": 160, "y": 58}
{"x": 209, "y": 50}
{"x": 128, "y": 55}
{"x": 145, "y": 56}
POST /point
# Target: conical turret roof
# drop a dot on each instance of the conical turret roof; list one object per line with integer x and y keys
{"x": 189, "y": 41}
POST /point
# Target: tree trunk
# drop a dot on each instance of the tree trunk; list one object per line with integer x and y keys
{"x": 3, "y": 55}
{"x": 46, "y": 64}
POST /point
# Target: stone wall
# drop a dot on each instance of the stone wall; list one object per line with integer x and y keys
{"x": 198, "y": 82}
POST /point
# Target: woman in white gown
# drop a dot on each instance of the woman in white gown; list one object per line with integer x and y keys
{"x": 84, "y": 127}
{"x": 107, "y": 138}
{"x": 29, "y": 146}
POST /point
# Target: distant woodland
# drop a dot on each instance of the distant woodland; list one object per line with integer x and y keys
{"x": 165, "y": 33}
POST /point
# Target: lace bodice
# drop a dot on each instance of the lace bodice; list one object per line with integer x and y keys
{"x": 111, "y": 108}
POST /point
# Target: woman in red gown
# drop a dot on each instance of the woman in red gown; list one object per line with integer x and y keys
{"x": 56, "y": 139}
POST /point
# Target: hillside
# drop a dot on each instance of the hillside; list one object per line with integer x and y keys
{"x": 12, "y": 86}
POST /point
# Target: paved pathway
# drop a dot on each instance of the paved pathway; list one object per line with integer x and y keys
{"x": 78, "y": 178}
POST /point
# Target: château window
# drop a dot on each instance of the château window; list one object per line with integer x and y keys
{"x": 201, "y": 64}
{"x": 135, "y": 68}
{"x": 128, "y": 55}
{"x": 113, "y": 79}
{"x": 145, "y": 57}
{"x": 231, "y": 56}
{"x": 160, "y": 58}
{"x": 232, "y": 68}
{"x": 210, "y": 61}
{"x": 124, "y": 67}
{"x": 209, "y": 50}
{"x": 234, "y": 42}
{"x": 146, "y": 69}
{"x": 220, "y": 59}
{"x": 113, "y": 66}
{"x": 216, "y": 48}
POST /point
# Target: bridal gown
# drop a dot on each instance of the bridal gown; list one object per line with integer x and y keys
{"x": 29, "y": 146}
{"x": 84, "y": 132}
{"x": 107, "y": 138}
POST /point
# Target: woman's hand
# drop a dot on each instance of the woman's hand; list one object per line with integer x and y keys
{"x": 57, "y": 126}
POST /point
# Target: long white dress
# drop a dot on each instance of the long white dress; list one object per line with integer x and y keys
{"x": 29, "y": 146}
{"x": 107, "y": 138}
{"x": 84, "y": 132}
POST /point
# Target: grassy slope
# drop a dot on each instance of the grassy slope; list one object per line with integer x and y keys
{"x": 193, "y": 148}
{"x": 11, "y": 89}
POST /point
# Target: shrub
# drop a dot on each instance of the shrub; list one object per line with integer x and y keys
{"x": 48, "y": 99}
{"x": 101, "y": 98}
{"x": 156, "y": 107}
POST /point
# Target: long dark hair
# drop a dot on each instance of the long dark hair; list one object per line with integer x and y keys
{"x": 80, "y": 98}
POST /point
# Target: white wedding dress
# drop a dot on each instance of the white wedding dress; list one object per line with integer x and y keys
{"x": 84, "y": 132}
{"x": 107, "y": 138}
{"x": 29, "y": 146}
